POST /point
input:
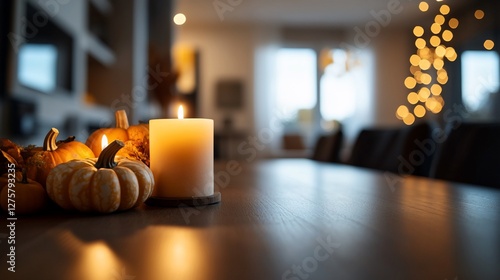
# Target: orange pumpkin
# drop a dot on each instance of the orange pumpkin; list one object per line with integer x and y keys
{"x": 101, "y": 185}
{"x": 52, "y": 154}
{"x": 123, "y": 131}
{"x": 27, "y": 196}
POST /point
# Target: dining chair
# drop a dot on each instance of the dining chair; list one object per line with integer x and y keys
{"x": 470, "y": 154}
{"x": 396, "y": 150}
{"x": 328, "y": 147}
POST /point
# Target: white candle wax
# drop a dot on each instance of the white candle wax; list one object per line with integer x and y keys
{"x": 182, "y": 157}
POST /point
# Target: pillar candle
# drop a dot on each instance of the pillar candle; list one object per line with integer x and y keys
{"x": 182, "y": 156}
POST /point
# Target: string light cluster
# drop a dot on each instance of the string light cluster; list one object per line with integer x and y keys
{"x": 428, "y": 73}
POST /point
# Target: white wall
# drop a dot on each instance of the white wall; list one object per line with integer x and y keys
{"x": 392, "y": 49}
{"x": 226, "y": 52}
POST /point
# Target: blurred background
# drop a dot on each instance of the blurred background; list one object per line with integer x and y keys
{"x": 274, "y": 75}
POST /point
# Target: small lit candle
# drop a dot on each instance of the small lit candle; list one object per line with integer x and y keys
{"x": 182, "y": 156}
{"x": 104, "y": 142}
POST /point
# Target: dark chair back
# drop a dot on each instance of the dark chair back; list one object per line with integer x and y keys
{"x": 395, "y": 150}
{"x": 470, "y": 154}
{"x": 328, "y": 147}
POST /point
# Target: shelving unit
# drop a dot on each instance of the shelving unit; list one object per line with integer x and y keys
{"x": 108, "y": 60}
{"x": 99, "y": 50}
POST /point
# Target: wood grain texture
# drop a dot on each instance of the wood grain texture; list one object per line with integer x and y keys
{"x": 314, "y": 220}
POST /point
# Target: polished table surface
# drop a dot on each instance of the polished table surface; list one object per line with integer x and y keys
{"x": 278, "y": 219}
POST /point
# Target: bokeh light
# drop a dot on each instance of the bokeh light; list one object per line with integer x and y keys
{"x": 447, "y": 35}
{"x": 479, "y": 14}
{"x": 445, "y": 9}
{"x": 418, "y": 31}
{"x": 420, "y": 43}
{"x": 179, "y": 19}
{"x": 424, "y": 53}
{"x": 438, "y": 64}
{"x": 425, "y": 64}
{"x": 402, "y": 111}
{"x": 436, "y": 89}
{"x": 450, "y": 52}
{"x": 426, "y": 79}
{"x": 435, "y": 28}
{"x": 409, "y": 119}
{"x": 412, "y": 98}
{"x": 414, "y": 69}
{"x": 419, "y": 111}
{"x": 410, "y": 82}
{"x": 453, "y": 23}
{"x": 440, "y": 51}
{"x": 415, "y": 60}
{"x": 423, "y": 6}
{"x": 423, "y": 94}
{"x": 442, "y": 80}
{"x": 435, "y": 41}
{"x": 489, "y": 44}
{"x": 439, "y": 19}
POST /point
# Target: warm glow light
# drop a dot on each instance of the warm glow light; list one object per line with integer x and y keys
{"x": 445, "y": 9}
{"x": 417, "y": 74}
{"x": 414, "y": 69}
{"x": 96, "y": 260}
{"x": 439, "y": 19}
{"x": 439, "y": 99}
{"x": 436, "y": 89}
{"x": 489, "y": 44}
{"x": 424, "y": 93}
{"x": 402, "y": 111}
{"x": 425, "y": 64}
{"x": 479, "y": 14}
{"x": 410, "y": 82}
{"x": 409, "y": 119}
{"x": 104, "y": 142}
{"x": 419, "y": 111}
{"x": 440, "y": 51}
{"x": 453, "y": 57}
{"x": 442, "y": 73}
{"x": 425, "y": 52}
{"x": 418, "y": 31}
{"x": 423, "y": 6}
{"x": 415, "y": 60}
{"x": 180, "y": 113}
{"x": 412, "y": 98}
{"x": 442, "y": 80}
{"x": 453, "y": 23}
{"x": 435, "y": 41}
{"x": 438, "y": 64}
{"x": 420, "y": 43}
{"x": 430, "y": 103}
{"x": 435, "y": 28}
{"x": 179, "y": 19}
{"x": 447, "y": 35}
{"x": 433, "y": 105}
{"x": 426, "y": 79}
{"x": 450, "y": 52}
{"x": 437, "y": 108}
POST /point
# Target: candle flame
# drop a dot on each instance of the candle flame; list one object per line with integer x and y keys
{"x": 180, "y": 113}
{"x": 104, "y": 142}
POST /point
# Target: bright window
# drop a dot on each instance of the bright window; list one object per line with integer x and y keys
{"x": 337, "y": 88}
{"x": 37, "y": 66}
{"x": 480, "y": 78}
{"x": 295, "y": 81}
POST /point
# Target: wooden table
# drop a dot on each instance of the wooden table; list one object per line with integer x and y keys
{"x": 279, "y": 219}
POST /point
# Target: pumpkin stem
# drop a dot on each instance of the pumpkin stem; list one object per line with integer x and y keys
{"x": 24, "y": 179}
{"x": 49, "y": 143}
{"x": 121, "y": 119}
{"x": 107, "y": 157}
